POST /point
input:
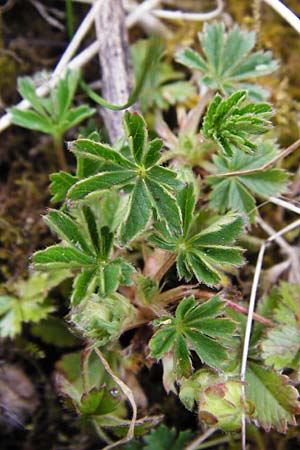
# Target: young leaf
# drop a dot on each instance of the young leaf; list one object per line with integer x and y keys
{"x": 274, "y": 399}
{"x": 102, "y": 318}
{"x": 197, "y": 326}
{"x": 231, "y": 125}
{"x": 228, "y": 63}
{"x": 54, "y": 114}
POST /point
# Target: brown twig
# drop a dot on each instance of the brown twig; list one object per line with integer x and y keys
{"x": 114, "y": 57}
{"x": 265, "y": 166}
{"x": 166, "y": 265}
{"x": 128, "y": 392}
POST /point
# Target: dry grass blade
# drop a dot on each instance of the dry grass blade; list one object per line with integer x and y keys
{"x": 252, "y": 302}
{"x": 269, "y": 164}
{"x": 129, "y": 394}
{"x": 285, "y": 12}
{"x": 194, "y": 444}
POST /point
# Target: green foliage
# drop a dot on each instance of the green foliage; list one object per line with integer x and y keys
{"x": 202, "y": 254}
{"x": 162, "y": 438}
{"x": 231, "y": 122}
{"x": 274, "y": 399}
{"x": 54, "y": 331}
{"x": 164, "y": 85}
{"x": 60, "y": 184}
{"x": 87, "y": 249}
{"x": 128, "y": 216}
{"x": 229, "y": 63}
{"x": 281, "y": 346}
{"x": 30, "y": 302}
{"x": 149, "y": 185}
{"x": 94, "y": 395}
{"x": 52, "y": 115}
{"x": 197, "y": 325}
{"x": 237, "y": 192}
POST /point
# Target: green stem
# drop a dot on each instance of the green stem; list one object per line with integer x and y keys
{"x": 215, "y": 442}
{"x": 59, "y": 151}
{"x": 101, "y": 433}
{"x": 151, "y": 60}
{"x": 69, "y": 14}
{"x": 85, "y": 368}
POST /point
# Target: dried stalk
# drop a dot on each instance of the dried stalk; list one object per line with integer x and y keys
{"x": 194, "y": 444}
{"x": 116, "y": 70}
{"x": 265, "y": 166}
{"x": 285, "y": 12}
{"x": 128, "y": 392}
{"x": 252, "y": 302}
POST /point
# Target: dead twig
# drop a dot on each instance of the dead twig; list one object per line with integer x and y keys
{"x": 252, "y": 302}
{"x": 265, "y": 166}
{"x": 194, "y": 444}
{"x": 285, "y": 12}
{"x": 128, "y": 392}
{"x": 113, "y": 53}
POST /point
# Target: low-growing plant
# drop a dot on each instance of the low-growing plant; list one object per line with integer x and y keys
{"x": 129, "y": 223}
{"x": 54, "y": 114}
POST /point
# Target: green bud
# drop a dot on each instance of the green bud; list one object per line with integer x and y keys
{"x": 222, "y": 405}
{"x": 103, "y": 318}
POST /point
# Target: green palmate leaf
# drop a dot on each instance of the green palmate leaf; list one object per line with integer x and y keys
{"x": 231, "y": 124}
{"x": 29, "y": 304}
{"x": 237, "y": 192}
{"x": 228, "y": 62}
{"x": 274, "y": 399}
{"x": 86, "y": 249}
{"x": 149, "y": 186}
{"x": 195, "y": 326}
{"x": 54, "y": 114}
{"x": 203, "y": 253}
{"x": 162, "y": 438}
{"x": 281, "y": 346}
